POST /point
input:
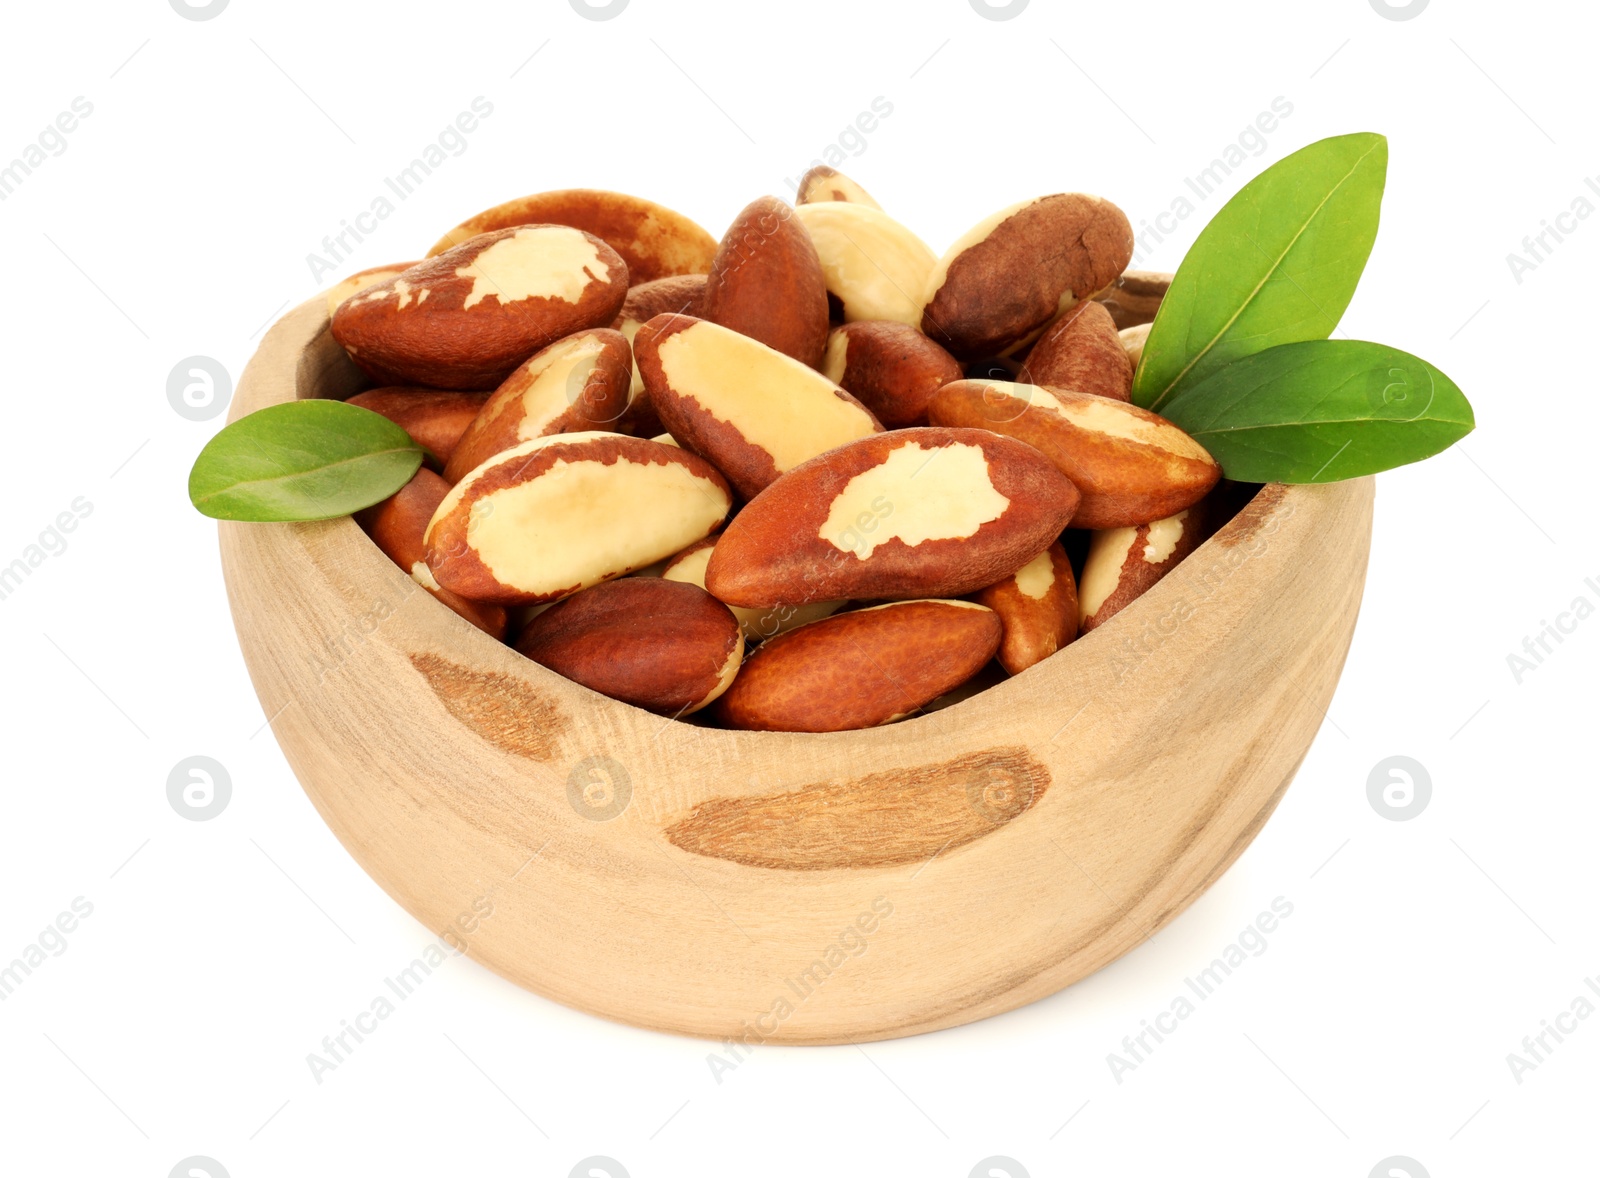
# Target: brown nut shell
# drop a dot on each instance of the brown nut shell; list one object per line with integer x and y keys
{"x": 1081, "y": 351}
{"x": 766, "y": 282}
{"x": 1135, "y": 297}
{"x": 678, "y": 295}
{"x": 753, "y": 412}
{"x": 1038, "y": 607}
{"x": 665, "y": 646}
{"x": 577, "y": 383}
{"x": 861, "y": 669}
{"x": 758, "y": 624}
{"x": 891, "y": 368}
{"x": 396, "y": 526}
{"x": 363, "y": 280}
{"x": 653, "y": 240}
{"x": 823, "y": 183}
{"x": 467, "y": 318}
{"x": 1130, "y": 465}
{"x": 435, "y": 419}
{"x": 1124, "y": 562}
{"x": 557, "y": 514}
{"x": 1014, "y": 271}
{"x": 911, "y": 513}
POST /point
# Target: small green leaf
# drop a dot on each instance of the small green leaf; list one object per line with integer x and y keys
{"x": 1322, "y": 410}
{"x": 1276, "y": 265}
{"x": 302, "y": 460}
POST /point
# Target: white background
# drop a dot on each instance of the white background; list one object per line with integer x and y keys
{"x": 178, "y": 220}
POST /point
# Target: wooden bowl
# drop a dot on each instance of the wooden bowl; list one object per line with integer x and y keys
{"x": 793, "y": 888}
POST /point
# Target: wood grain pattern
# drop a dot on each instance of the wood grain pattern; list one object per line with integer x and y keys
{"x": 780, "y": 887}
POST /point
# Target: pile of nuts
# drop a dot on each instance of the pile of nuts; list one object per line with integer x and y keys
{"x": 775, "y": 477}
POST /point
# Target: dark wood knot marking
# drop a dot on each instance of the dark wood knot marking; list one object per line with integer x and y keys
{"x": 1251, "y": 516}
{"x": 501, "y": 708}
{"x": 884, "y": 819}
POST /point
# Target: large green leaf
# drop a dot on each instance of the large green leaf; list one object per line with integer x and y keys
{"x": 1322, "y": 410}
{"x": 302, "y": 460}
{"x": 1277, "y": 264}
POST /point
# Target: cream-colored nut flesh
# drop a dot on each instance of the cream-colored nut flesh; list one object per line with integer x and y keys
{"x": 777, "y": 403}
{"x": 552, "y": 385}
{"x": 954, "y": 601}
{"x": 630, "y": 328}
{"x": 423, "y": 575}
{"x": 1105, "y": 416}
{"x": 951, "y": 502}
{"x": 544, "y": 261}
{"x": 757, "y": 625}
{"x": 1162, "y": 539}
{"x": 1102, "y": 415}
{"x": 1035, "y": 578}
{"x": 558, "y": 382}
{"x": 725, "y": 677}
{"x": 357, "y": 283}
{"x": 401, "y": 292}
{"x": 583, "y": 521}
{"x": 836, "y": 356}
{"x": 668, "y": 440}
{"x": 876, "y": 266}
{"x": 406, "y": 294}
{"x": 1133, "y": 341}
{"x": 941, "y": 267}
{"x": 691, "y": 569}
{"x": 1102, "y": 568}
{"x": 838, "y": 182}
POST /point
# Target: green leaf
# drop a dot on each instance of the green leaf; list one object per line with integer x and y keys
{"x": 1322, "y": 410}
{"x": 302, "y": 460}
{"x": 1277, "y": 264}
